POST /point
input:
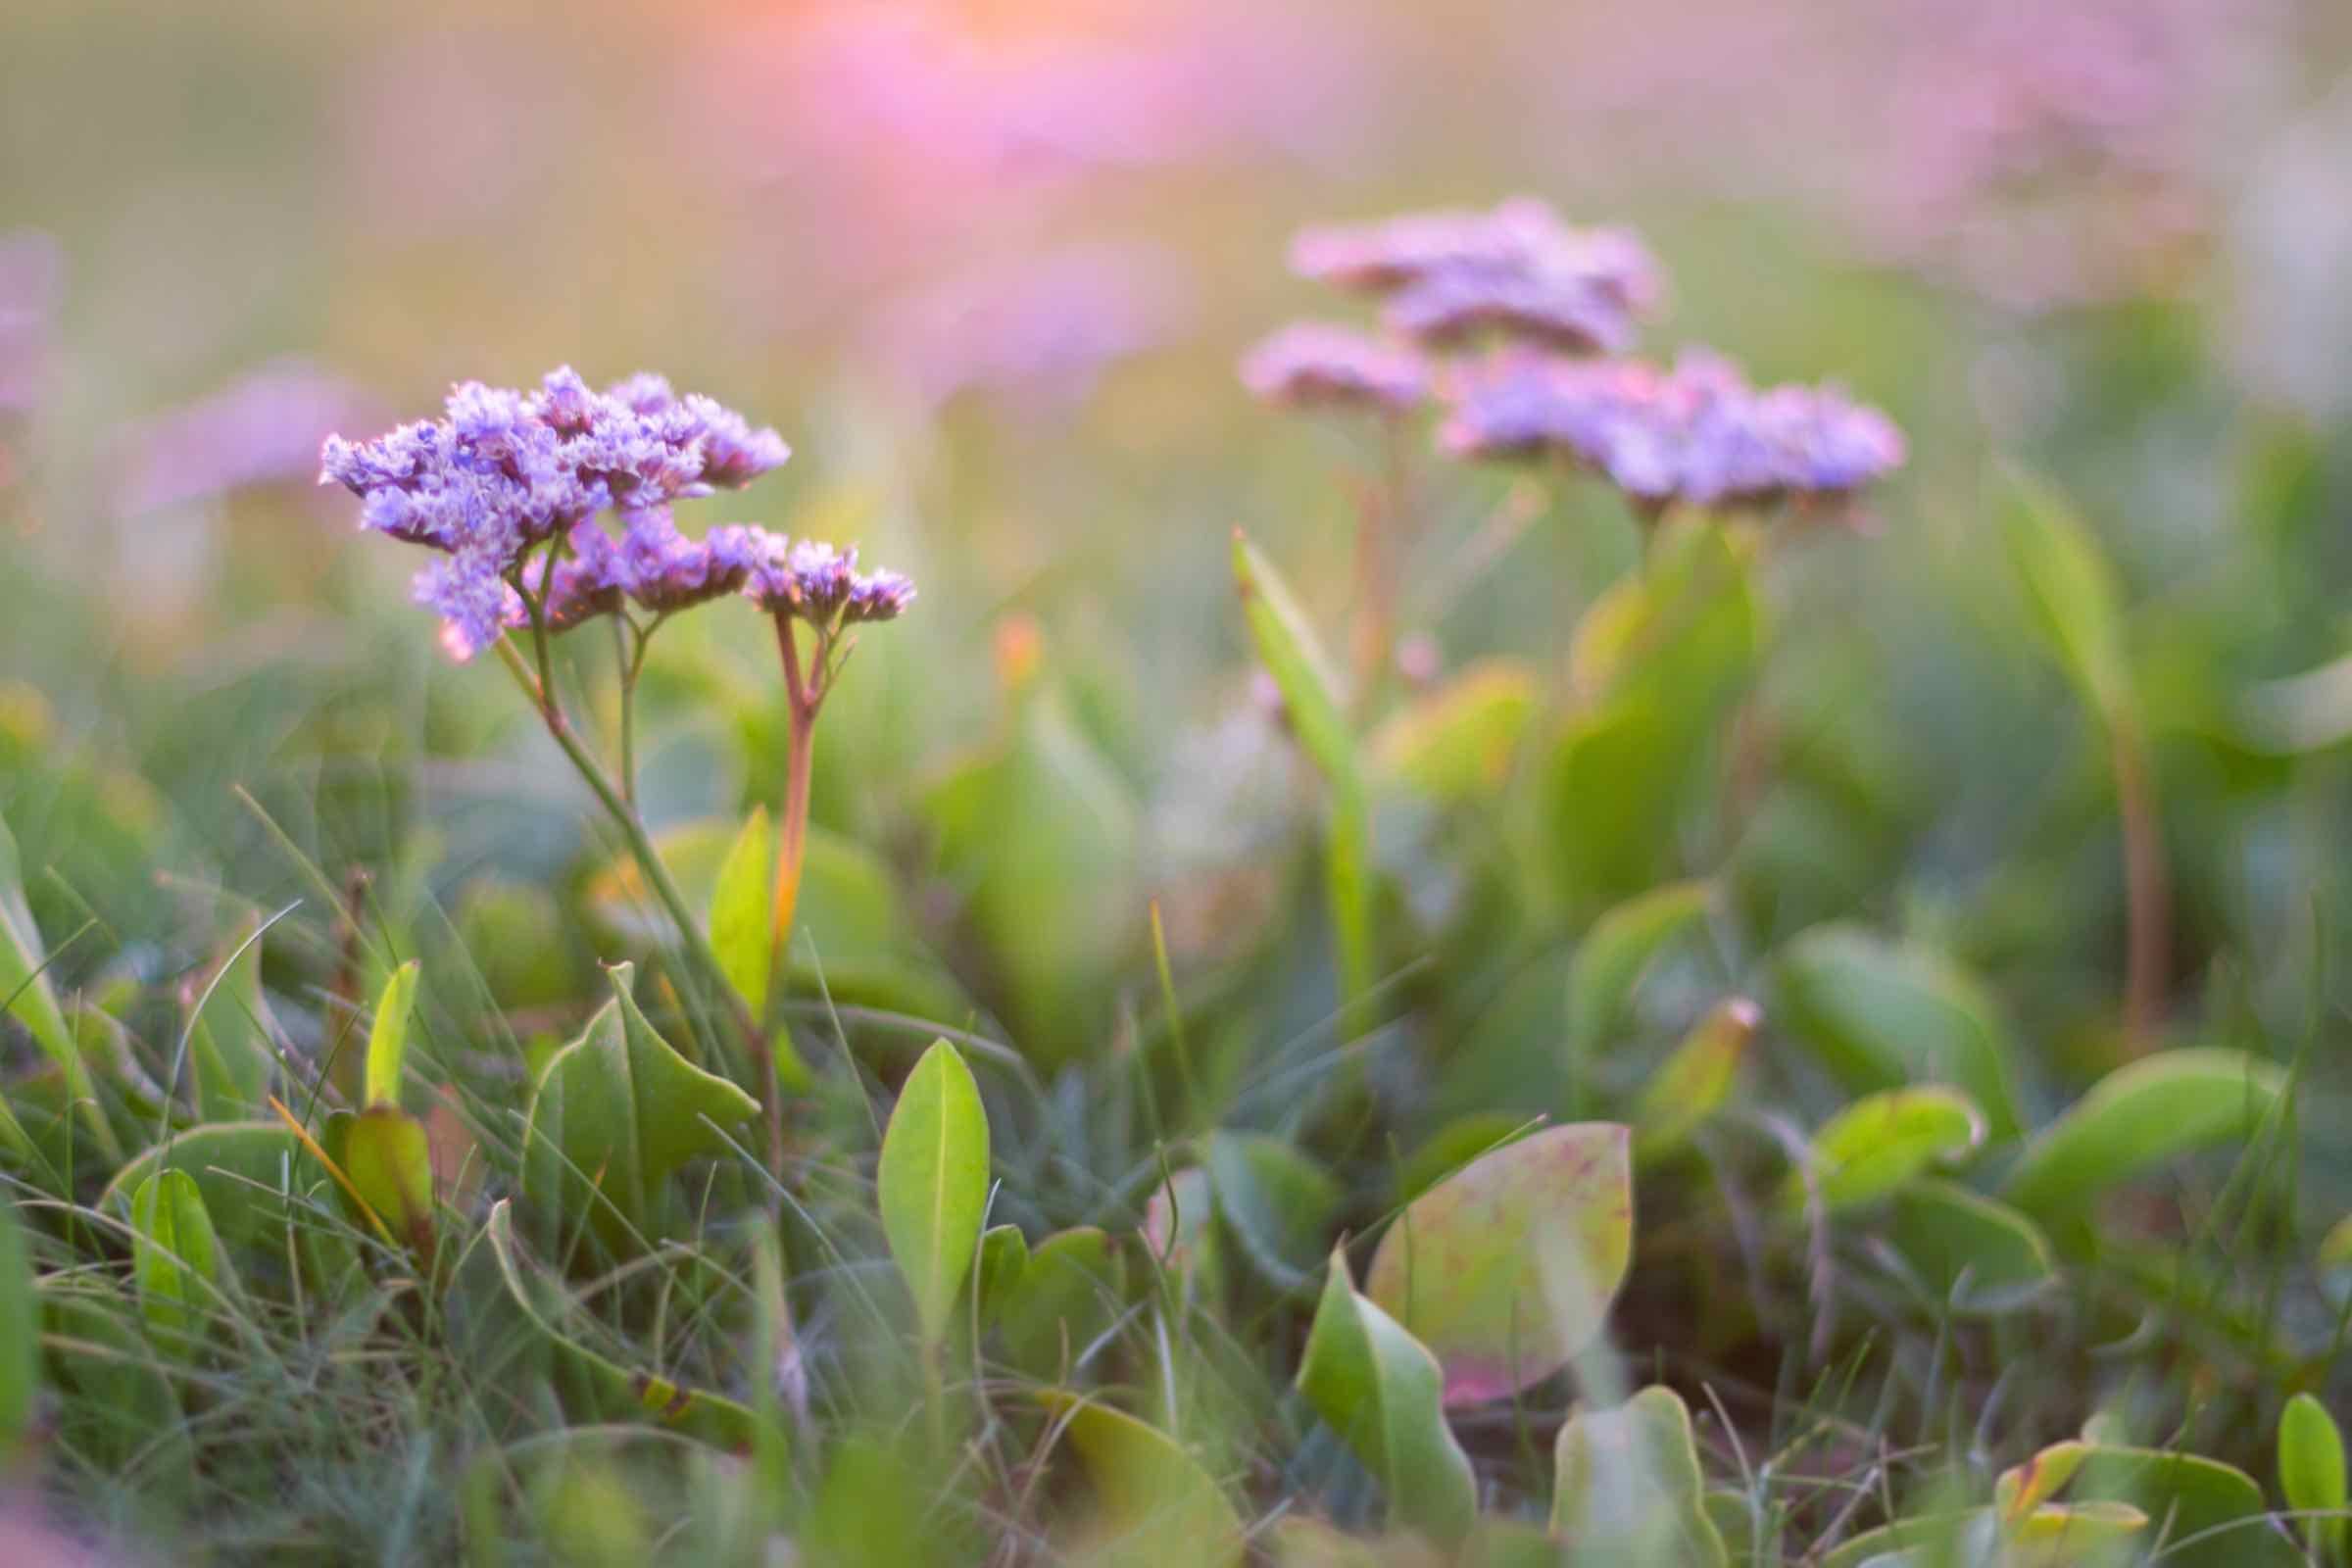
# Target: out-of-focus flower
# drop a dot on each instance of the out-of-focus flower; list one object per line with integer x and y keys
{"x": 1697, "y": 433}
{"x": 1311, "y": 365}
{"x": 507, "y": 471}
{"x": 1041, "y": 329}
{"x": 33, "y": 276}
{"x": 821, "y": 585}
{"x": 261, "y": 428}
{"x": 1517, "y": 270}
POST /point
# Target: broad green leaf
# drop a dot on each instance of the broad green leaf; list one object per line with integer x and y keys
{"x": 1694, "y": 1081}
{"x": 2311, "y": 1472}
{"x": 742, "y": 912}
{"x": 1286, "y": 645}
{"x": 1457, "y": 743}
{"x": 1883, "y": 1015}
{"x": 228, "y": 1036}
{"x": 388, "y": 1035}
{"x": 175, "y": 1258}
{"x": 2208, "y": 1514}
{"x": 1978, "y": 1255}
{"x": 27, "y": 994}
{"x": 1067, "y": 1297}
{"x": 1298, "y": 1542}
{"x": 2140, "y": 1115}
{"x": 1614, "y": 955}
{"x": 19, "y": 1334}
{"x": 1880, "y": 1141}
{"x": 2024, "y": 1488}
{"x": 1505, "y": 1270}
{"x": 1612, "y": 786}
{"x": 390, "y": 1161}
{"x": 239, "y": 1167}
{"x": 1383, "y": 1393}
{"x": 548, "y": 1306}
{"x": 1455, "y": 1144}
{"x": 2077, "y": 606}
{"x": 1279, "y": 1203}
{"x": 2080, "y": 1534}
{"x": 933, "y": 1181}
{"x": 615, "y": 1113}
{"x": 1003, "y": 1259}
{"x": 1627, "y": 1486}
{"x": 1153, "y": 1503}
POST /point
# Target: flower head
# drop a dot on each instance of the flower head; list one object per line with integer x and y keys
{"x": 506, "y": 470}
{"x": 1697, "y": 433}
{"x": 821, "y": 585}
{"x": 1310, "y": 365}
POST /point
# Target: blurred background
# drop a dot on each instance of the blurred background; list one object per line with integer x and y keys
{"x": 988, "y": 267}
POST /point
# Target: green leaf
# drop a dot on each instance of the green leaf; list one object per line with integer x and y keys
{"x": 1505, "y": 1270}
{"x": 2071, "y": 591}
{"x": 1615, "y": 953}
{"x": 1067, "y": 1297}
{"x": 1694, "y": 1081}
{"x": 1627, "y": 1486}
{"x": 239, "y": 1168}
{"x": 2023, "y": 1488}
{"x": 1003, "y": 1259}
{"x": 2209, "y": 1514}
{"x": 615, "y": 1113}
{"x": 1382, "y": 1392}
{"x": 1980, "y": 1256}
{"x": 1279, "y": 1203}
{"x": 388, "y": 1035}
{"x": 27, "y": 994}
{"x": 742, "y": 912}
{"x": 933, "y": 1181}
{"x": 2311, "y": 1472}
{"x": 1882, "y": 1014}
{"x": 175, "y": 1258}
{"x": 19, "y": 1334}
{"x": 547, "y": 1306}
{"x": 2336, "y": 1247}
{"x": 1286, "y": 645}
{"x": 390, "y": 1161}
{"x": 1457, "y": 743}
{"x": 1455, "y": 1144}
{"x": 1155, "y": 1503}
{"x": 1880, "y": 1141}
{"x": 2140, "y": 1115}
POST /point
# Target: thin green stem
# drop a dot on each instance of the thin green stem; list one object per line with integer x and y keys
{"x": 804, "y": 694}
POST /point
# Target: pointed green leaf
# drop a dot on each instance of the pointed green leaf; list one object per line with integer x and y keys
{"x": 27, "y": 994}
{"x": 1880, "y": 1141}
{"x": 2023, "y": 1488}
{"x": 390, "y": 1161}
{"x": 1610, "y": 961}
{"x": 2139, "y": 1115}
{"x": 742, "y": 912}
{"x": 19, "y": 1334}
{"x": 1505, "y": 1270}
{"x": 175, "y": 1258}
{"x": 615, "y": 1113}
{"x": 1003, "y": 1259}
{"x": 388, "y": 1035}
{"x": 2209, "y": 1514}
{"x": 239, "y": 1167}
{"x": 2071, "y": 590}
{"x": 1695, "y": 1082}
{"x": 1883, "y": 1015}
{"x": 2311, "y": 1472}
{"x": 1155, "y": 1503}
{"x": 933, "y": 1181}
{"x": 1978, "y": 1255}
{"x": 1627, "y": 1486}
{"x": 1382, "y": 1392}
{"x": 1279, "y": 1203}
{"x": 2077, "y": 1534}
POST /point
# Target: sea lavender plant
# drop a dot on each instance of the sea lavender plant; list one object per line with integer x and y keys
{"x": 511, "y": 489}
{"x": 1312, "y": 365}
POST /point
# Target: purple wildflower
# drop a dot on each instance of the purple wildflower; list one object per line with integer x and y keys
{"x": 1522, "y": 237}
{"x": 821, "y": 585}
{"x": 1557, "y": 309}
{"x": 1310, "y": 365}
{"x": 505, "y": 472}
{"x": 1698, "y": 433}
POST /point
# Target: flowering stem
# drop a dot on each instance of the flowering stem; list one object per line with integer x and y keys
{"x": 805, "y": 693}
{"x": 629, "y": 650}
{"x": 657, "y": 875}
{"x": 2147, "y": 896}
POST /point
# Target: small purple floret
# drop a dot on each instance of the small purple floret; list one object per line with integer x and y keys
{"x": 1315, "y": 366}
